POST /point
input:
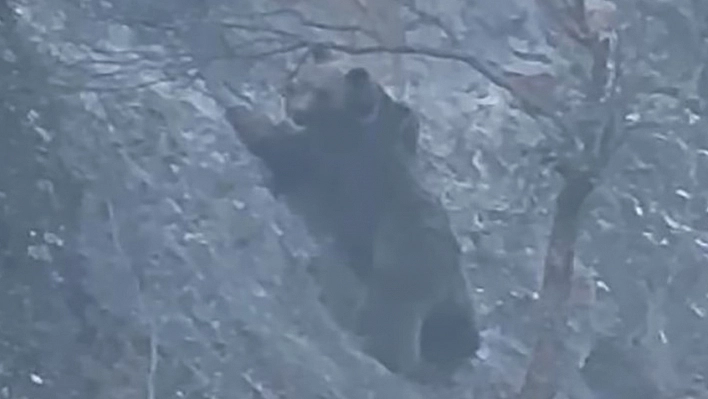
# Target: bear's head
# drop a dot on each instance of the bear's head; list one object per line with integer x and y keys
{"x": 327, "y": 91}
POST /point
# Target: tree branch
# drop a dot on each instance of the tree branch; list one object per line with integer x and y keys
{"x": 580, "y": 179}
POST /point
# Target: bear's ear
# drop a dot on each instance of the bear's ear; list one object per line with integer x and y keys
{"x": 321, "y": 54}
{"x": 357, "y": 76}
{"x": 362, "y": 94}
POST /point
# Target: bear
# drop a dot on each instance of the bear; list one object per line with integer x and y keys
{"x": 342, "y": 159}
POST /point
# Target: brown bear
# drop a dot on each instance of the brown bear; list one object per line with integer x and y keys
{"x": 343, "y": 161}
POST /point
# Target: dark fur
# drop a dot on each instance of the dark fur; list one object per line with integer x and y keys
{"x": 346, "y": 169}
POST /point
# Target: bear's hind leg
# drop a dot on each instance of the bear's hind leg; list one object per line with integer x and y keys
{"x": 391, "y": 331}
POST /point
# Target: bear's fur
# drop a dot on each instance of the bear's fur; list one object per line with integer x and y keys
{"x": 343, "y": 162}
